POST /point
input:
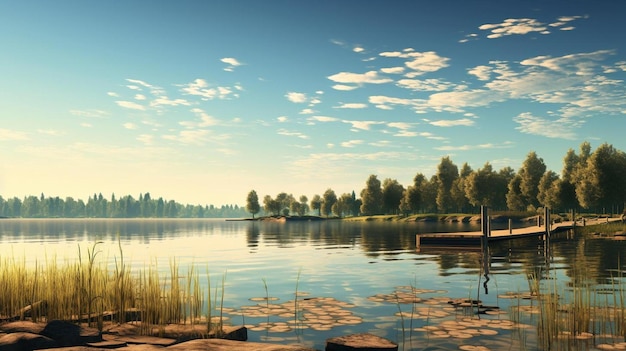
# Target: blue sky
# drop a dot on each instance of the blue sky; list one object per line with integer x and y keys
{"x": 202, "y": 101}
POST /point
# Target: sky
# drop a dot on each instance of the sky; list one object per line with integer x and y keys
{"x": 203, "y": 101}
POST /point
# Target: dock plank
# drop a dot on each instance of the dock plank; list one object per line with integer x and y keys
{"x": 474, "y": 238}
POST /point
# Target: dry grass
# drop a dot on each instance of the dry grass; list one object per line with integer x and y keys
{"x": 88, "y": 291}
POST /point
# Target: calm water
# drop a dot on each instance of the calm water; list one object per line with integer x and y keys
{"x": 351, "y": 277}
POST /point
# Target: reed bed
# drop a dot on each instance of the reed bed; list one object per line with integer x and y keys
{"x": 90, "y": 291}
{"x": 580, "y": 315}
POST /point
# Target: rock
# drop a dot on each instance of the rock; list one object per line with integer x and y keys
{"x": 108, "y": 344}
{"x": 68, "y": 334}
{"x": 364, "y": 342}
{"x": 139, "y": 339}
{"x": 22, "y": 326}
{"x": 22, "y": 341}
{"x": 180, "y": 332}
{"x": 232, "y": 345}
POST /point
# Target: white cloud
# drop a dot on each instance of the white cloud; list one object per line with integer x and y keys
{"x": 205, "y": 119}
{"x": 452, "y": 123}
{"x": 290, "y": 133}
{"x": 352, "y": 106}
{"x": 323, "y": 119}
{"x": 166, "y": 101}
{"x": 113, "y": 94}
{"x": 199, "y": 87}
{"x": 232, "y": 62}
{"x": 358, "y": 49}
{"x": 129, "y": 125}
{"x": 579, "y": 64}
{"x": 370, "y": 77}
{"x": 424, "y": 85}
{"x": 7, "y": 134}
{"x": 130, "y": 105}
{"x": 296, "y": 98}
{"x": 351, "y": 143}
{"x": 561, "y": 128}
{"x": 513, "y": 26}
{"x": 419, "y": 62}
{"x": 89, "y": 113}
{"x": 344, "y": 87}
{"x": 307, "y": 111}
{"x": 140, "y": 97}
{"x": 481, "y": 72}
{"x": 282, "y": 119}
{"x": 392, "y": 70}
{"x": 362, "y": 125}
{"x": 400, "y": 125}
{"x": 474, "y": 147}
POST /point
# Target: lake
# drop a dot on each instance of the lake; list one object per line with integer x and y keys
{"x": 351, "y": 277}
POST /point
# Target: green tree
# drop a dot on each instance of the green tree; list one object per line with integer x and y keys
{"x": 549, "y": 187}
{"x": 457, "y": 191}
{"x": 304, "y": 207}
{"x": 531, "y": 172}
{"x": 392, "y": 195}
{"x": 316, "y": 204}
{"x": 328, "y": 200}
{"x": 514, "y": 198}
{"x": 252, "y": 203}
{"x": 602, "y": 181}
{"x": 447, "y": 173}
{"x": 371, "y": 197}
{"x": 342, "y": 205}
{"x": 271, "y": 206}
{"x": 480, "y": 187}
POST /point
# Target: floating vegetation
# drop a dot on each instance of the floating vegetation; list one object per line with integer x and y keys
{"x": 467, "y": 328}
{"x": 527, "y": 295}
{"x": 317, "y": 313}
{"x": 616, "y": 346}
{"x": 404, "y": 295}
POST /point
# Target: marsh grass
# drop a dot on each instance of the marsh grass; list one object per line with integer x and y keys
{"x": 90, "y": 291}
{"x": 582, "y": 313}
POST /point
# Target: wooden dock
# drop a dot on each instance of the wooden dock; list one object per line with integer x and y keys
{"x": 475, "y": 239}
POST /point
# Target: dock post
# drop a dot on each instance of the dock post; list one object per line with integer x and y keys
{"x": 510, "y": 226}
{"x": 546, "y": 221}
{"x": 484, "y": 221}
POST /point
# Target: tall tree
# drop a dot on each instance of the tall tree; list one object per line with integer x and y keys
{"x": 392, "y": 195}
{"x": 481, "y": 187}
{"x": 316, "y": 204}
{"x": 271, "y": 206}
{"x": 567, "y": 192}
{"x": 531, "y": 172}
{"x": 514, "y": 198}
{"x": 602, "y": 181}
{"x": 457, "y": 192}
{"x": 328, "y": 200}
{"x": 252, "y": 203}
{"x": 549, "y": 187}
{"x": 447, "y": 173}
{"x": 371, "y": 196}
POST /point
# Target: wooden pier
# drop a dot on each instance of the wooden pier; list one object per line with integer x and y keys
{"x": 486, "y": 235}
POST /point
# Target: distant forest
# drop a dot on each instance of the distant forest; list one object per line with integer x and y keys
{"x": 97, "y": 206}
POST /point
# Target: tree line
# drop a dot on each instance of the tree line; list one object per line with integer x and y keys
{"x": 591, "y": 181}
{"x": 98, "y": 206}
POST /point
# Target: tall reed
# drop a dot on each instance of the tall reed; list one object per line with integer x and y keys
{"x": 86, "y": 290}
